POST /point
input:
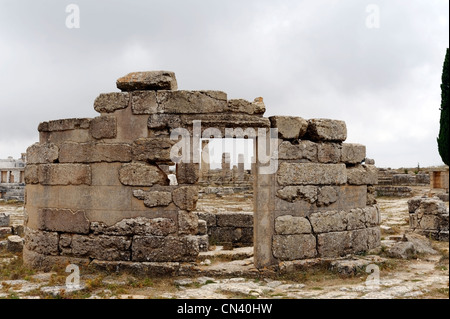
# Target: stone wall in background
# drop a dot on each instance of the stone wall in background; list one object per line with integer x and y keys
{"x": 98, "y": 189}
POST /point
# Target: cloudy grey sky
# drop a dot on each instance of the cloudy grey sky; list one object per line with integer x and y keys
{"x": 314, "y": 59}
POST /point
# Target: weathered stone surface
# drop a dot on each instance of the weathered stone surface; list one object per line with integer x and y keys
{"x": 305, "y": 150}
{"x": 294, "y": 247}
{"x": 31, "y": 175}
{"x": 334, "y": 244}
{"x": 95, "y": 153}
{"x": 311, "y": 174}
{"x": 243, "y": 106}
{"x": 137, "y": 174}
{"x": 41, "y": 242}
{"x": 137, "y": 226}
{"x": 42, "y": 153}
{"x": 210, "y": 218}
{"x": 144, "y": 102}
{"x": 64, "y": 125}
{"x": 156, "y": 150}
{"x": 332, "y": 221}
{"x": 327, "y": 195}
{"x": 295, "y": 193}
{"x": 327, "y": 130}
{"x": 402, "y": 250}
{"x": 4, "y": 220}
{"x": 422, "y": 244}
{"x": 64, "y": 174}
{"x": 161, "y": 249}
{"x": 191, "y": 102}
{"x": 372, "y": 216}
{"x": 353, "y": 153}
{"x": 362, "y": 175}
{"x": 100, "y": 247}
{"x": 187, "y": 173}
{"x": 329, "y": 152}
{"x": 111, "y": 102}
{"x": 63, "y": 220}
{"x": 289, "y": 225}
{"x": 14, "y": 244}
{"x": 202, "y": 227}
{"x": 187, "y": 223}
{"x": 355, "y": 219}
{"x": 47, "y": 263}
{"x": 5, "y": 231}
{"x": 146, "y": 81}
{"x": 289, "y": 127}
{"x": 153, "y": 198}
{"x": 431, "y": 206}
{"x": 235, "y": 219}
{"x": 186, "y": 197}
{"x": 203, "y": 243}
{"x": 103, "y": 127}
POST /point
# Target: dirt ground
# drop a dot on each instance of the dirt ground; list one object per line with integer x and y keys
{"x": 230, "y": 274}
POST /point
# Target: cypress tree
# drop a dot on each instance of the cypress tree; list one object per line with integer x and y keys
{"x": 445, "y": 115}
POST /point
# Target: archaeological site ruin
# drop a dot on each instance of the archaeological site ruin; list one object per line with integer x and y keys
{"x": 99, "y": 191}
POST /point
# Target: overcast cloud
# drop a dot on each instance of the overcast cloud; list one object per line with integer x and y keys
{"x": 314, "y": 59}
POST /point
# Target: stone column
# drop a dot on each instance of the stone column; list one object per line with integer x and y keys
{"x": 226, "y": 169}
{"x": 206, "y": 160}
{"x": 241, "y": 167}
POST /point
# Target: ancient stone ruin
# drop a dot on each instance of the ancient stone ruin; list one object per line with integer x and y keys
{"x": 429, "y": 217}
{"x": 98, "y": 189}
{"x": 12, "y": 184}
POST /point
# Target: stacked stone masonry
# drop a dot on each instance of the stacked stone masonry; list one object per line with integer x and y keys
{"x": 97, "y": 189}
{"x": 429, "y": 217}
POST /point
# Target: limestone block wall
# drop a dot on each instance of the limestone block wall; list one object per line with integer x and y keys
{"x": 98, "y": 190}
{"x": 321, "y": 201}
{"x": 429, "y": 217}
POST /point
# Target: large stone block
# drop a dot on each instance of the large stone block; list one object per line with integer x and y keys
{"x": 356, "y": 219}
{"x": 293, "y": 247}
{"x": 235, "y": 219}
{"x": 327, "y": 130}
{"x": 327, "y": 195}
{"x": 295, "y": 193}
{"x": 137, "y": 226}
{"x": 64, "y": 125}
{"x": 156, "y": 150}
{"x": 95, "y": 153}
{"x": 111, "y": 102}
{"x": 162, "y": 249}
{"x": 329, "y": 152}
{"x": 334, "y": 244}
{"x": 332, "y": 221}
{"x": 144, "y": 102}
{"x": 289, "y": 127}
{"x": 138, "y": 174}
{"x": 105, "y": 174}
{"x": 289, "y": 225}
{"x": 187, "y": 223}
{"x": 4, "y": 220}
{"x": 153, "y": 198}
{"x": 101, "y": 247}
{"x": 353, "y": 153}
{"x": 362, "y": 175}
{"x": 311, "y": 174}
{"x": 103, "y": 127}
{"x": 41, "y": 242}
{"x": 31, "y": 175}
{"x": 191, "y": 102}
{"x": 210, "y": 218}
{"x": 186, "y": 197}
{"x": 187, "y": 173}
{"x": 243, "y": 106}
{"x": 148, "y": 81}
{"x": 42, "y": 154}
{"x": 64, "y": 174}
{"x": 304, "y": 150}
{"x": 63, "y": 220}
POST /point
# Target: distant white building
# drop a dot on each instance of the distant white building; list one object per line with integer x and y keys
{"x": 12, "y": 179}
